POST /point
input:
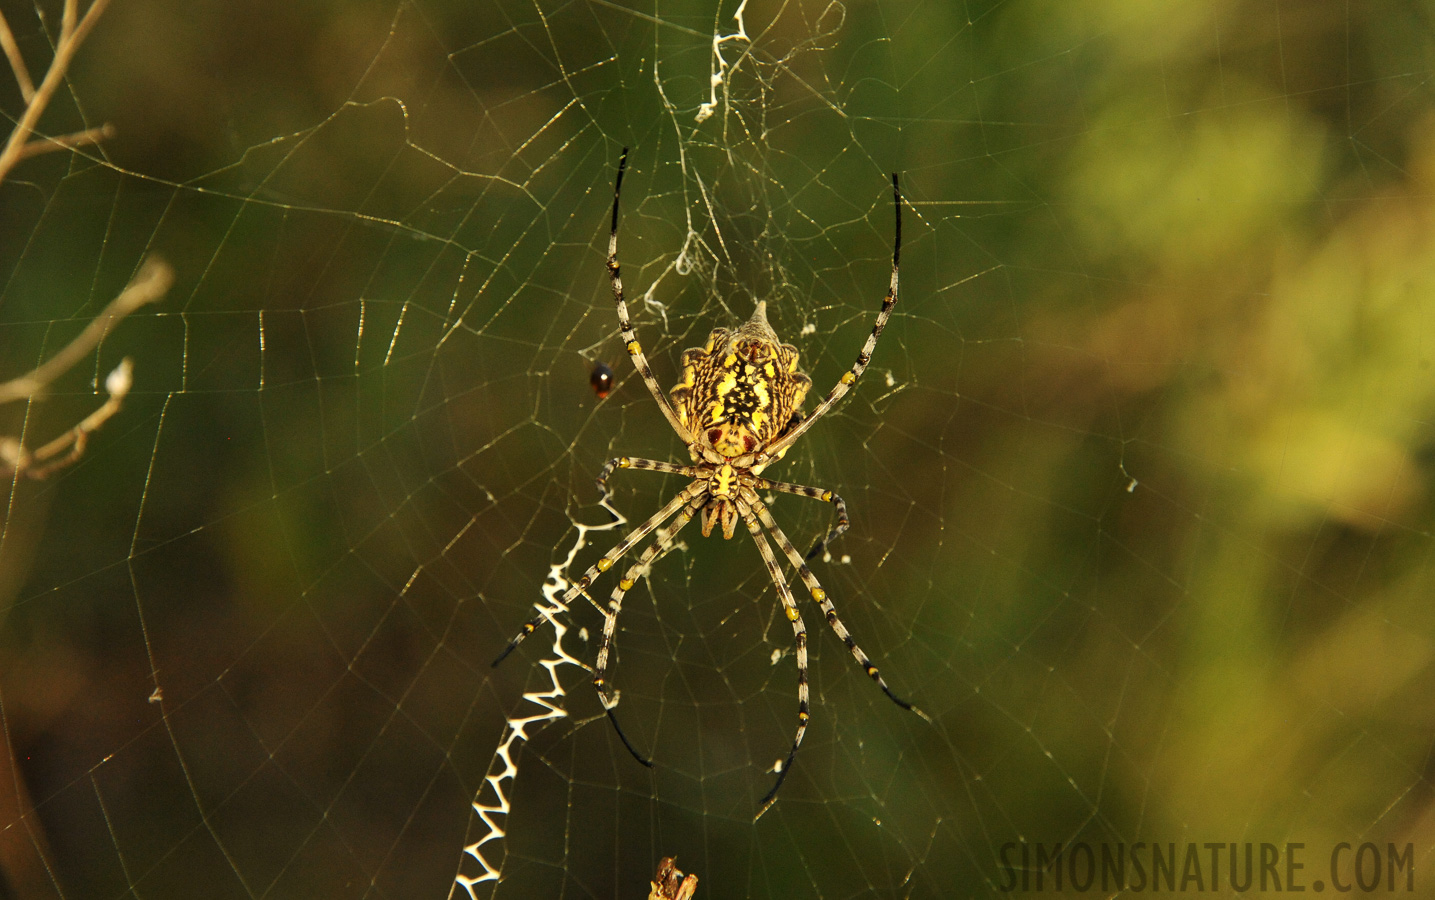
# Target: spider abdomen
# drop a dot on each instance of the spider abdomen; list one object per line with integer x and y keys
{"x": 739, "y": 392}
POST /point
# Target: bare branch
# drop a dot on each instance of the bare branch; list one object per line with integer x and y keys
{"x": 17, "y": 62}
{"x": 67, "y": 19}
{"x": 150, "y": 284}
{"x": 92, "y": 15}
{"x": 25, "y": 863}
{"x": 67, "y": 141}
{"x": 117, "y": 384}
{"x": 71, "y": 36}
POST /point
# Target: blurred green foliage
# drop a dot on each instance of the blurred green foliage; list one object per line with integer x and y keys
{"x": 1139, "y": 477}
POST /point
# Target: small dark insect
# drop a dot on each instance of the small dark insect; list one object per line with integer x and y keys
{"x": 601, "y": 379}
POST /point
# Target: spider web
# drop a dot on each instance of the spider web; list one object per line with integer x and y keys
{"x": 1138, "y": 476}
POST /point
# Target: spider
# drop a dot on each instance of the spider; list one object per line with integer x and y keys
{"x": 737, "y": 409}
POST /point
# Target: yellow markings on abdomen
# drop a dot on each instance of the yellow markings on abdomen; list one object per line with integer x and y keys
{"x": 729, "y": 381}
{"x": 764, "y": 399}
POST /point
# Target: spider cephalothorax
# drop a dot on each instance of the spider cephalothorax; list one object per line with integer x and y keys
{"x": 737, "y": 408}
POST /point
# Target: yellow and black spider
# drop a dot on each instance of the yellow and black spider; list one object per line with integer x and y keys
{"x": 737, "y": 409}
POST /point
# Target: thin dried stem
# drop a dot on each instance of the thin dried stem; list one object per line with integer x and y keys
{"x": 67, "y": 141}
{"x": 25, "y": 858}
{"x": 67, "y": 19}
{"x": 150, "y": 284}
{"x": 42, "y": 462}
{"x": 17, "y": 62}
{"x": 72, "y": 34}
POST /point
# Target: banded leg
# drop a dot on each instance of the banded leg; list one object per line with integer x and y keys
{"x": 849, "y": 378}
{"x": 799, "y": 633}
{"x": 812, "y": 493}
{"x": 630, "y": 337}
{"x": 639, "y": 569}
{"x": 639, "y": 464}
{"x": 605, "y": 563}
{"x": 828, "y": 610}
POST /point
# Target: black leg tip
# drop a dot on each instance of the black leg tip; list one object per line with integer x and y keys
{"x": 771, "y": 798}
{"x": 907, "y": 706}
{"x": 623, "y": 737}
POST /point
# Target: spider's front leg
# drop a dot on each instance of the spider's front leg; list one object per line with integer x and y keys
{"x": 640, "y": 464}
{"x": 625, "y": 324}
{"x": 774, "y": 451}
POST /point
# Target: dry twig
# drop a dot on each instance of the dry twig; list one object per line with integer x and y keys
{"x": 149, "y": 284}
{"x": 26, "y": 867}
{"x": 73, "y": 31}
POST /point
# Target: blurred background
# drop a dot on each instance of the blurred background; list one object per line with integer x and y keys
{"x": 1138, "y": 477}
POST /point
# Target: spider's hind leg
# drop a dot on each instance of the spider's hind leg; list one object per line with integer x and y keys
{"x": 799, "y": 634}
{"x": 660, "y": 545}
{"x": 602, "y": 565}
{"x": 829, "y": 611}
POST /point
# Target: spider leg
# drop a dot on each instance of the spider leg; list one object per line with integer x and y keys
{"x": 849, "y": 378}
{"x": 828, "y": 610}
{"x": 630, "y": 337}
{"x": 639, "y": 569}
{"x": 812, "y": 493}
{"x": 799, "y": 633}
{"x": 637, "y": 463}
{"x": 604, "y": 564}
